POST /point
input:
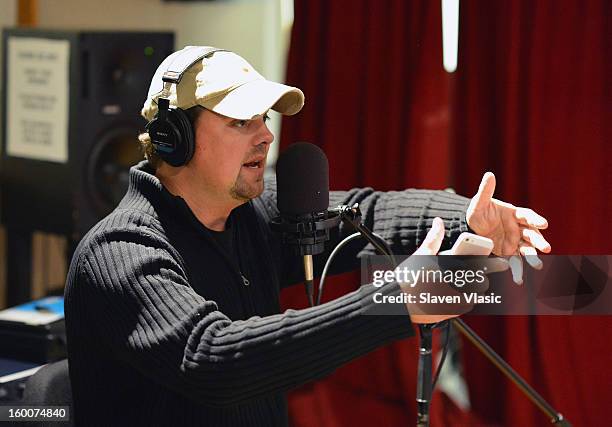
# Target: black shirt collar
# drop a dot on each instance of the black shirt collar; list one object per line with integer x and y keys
{"x": 142, "y": 179}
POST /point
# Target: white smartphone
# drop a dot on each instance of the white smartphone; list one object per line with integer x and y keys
{"x": 470, "y": 244}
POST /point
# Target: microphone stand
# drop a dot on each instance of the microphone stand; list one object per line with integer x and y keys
{"x": 424, "y": 385}
{"x": 352, "y": 215}
{"x": 309, "y": 279}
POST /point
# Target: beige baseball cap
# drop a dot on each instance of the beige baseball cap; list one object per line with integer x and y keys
{"x": 225, "y": 83}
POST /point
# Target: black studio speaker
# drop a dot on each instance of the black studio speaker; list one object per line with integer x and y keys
{"x": 71, "y": 104}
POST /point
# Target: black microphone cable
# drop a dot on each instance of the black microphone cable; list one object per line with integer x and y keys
{"x": 345, "y": 241}
{"x": 444, "y": 324}
{"x": 336, "y": 250}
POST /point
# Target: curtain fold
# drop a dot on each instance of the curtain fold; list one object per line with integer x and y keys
{"x": 529, "y": 101}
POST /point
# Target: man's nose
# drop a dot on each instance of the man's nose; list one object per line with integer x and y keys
{"x": 265, "y": 136}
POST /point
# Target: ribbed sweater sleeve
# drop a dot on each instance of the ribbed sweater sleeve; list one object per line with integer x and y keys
{"x": 131, "y": 285}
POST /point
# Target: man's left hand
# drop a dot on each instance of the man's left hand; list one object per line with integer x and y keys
{"x": 514, "y": 230}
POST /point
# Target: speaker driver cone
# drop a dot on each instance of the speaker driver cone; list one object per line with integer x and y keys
{"x": 108, "y": 167}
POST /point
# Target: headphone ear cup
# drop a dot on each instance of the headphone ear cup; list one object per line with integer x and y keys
{"x": 172, "y": 137}
{"x": 187, "y": 147}
{"x": 165, "y": 137}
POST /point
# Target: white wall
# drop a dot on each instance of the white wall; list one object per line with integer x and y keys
{"x": 258, "y": 30}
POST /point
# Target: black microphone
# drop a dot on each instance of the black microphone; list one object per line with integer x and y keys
{"x": 302, "y": 179}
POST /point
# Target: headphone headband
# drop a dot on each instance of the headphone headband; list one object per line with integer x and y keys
{"x": 185, "y": 59}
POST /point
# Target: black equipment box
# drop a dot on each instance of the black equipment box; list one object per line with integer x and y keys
{"x": 34, "y": 332}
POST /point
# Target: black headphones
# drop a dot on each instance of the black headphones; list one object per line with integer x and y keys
{"x": 171, "y": 132}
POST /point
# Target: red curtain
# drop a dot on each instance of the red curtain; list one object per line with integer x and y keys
{"x": 528, "y": 102}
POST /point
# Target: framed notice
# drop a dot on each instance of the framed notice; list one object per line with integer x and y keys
{"x": 37, "y": 98}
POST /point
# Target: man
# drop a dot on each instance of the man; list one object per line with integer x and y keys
{"x": 172, "y": 300}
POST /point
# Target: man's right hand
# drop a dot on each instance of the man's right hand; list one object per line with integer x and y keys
{"x": 430, "y": 247}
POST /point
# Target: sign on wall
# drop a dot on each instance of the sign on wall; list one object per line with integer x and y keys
{"x": 37, "y": 98}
